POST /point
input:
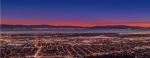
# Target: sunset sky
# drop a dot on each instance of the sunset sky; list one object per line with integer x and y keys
{"x": 76, "y": 12}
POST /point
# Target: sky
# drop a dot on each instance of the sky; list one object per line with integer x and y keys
{"x": 76, "y": 12}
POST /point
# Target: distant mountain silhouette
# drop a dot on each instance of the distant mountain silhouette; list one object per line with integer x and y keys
{"x": 32, "y": 27}
{"x": 36, "y": 26}
{"x": 116, "y": 27}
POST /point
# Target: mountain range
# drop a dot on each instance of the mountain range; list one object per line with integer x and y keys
{"x": 48, "y": 27}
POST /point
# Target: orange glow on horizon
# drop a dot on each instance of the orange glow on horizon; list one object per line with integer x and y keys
{"x": 60, "y": 23}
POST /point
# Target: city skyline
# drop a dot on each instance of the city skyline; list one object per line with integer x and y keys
{"x": 76, "y": 12}
{"x": 75, "y": 29}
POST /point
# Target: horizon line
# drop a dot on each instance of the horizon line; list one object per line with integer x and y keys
{"x": 73, "y": 25}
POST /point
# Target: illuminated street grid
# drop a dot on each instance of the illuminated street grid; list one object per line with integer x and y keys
{"x": 71, "y": 45}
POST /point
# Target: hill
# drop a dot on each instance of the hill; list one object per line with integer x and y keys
{"x": 50, "y": 27}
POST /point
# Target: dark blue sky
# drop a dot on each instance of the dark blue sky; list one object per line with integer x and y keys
{"x": 78, "y": 12}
